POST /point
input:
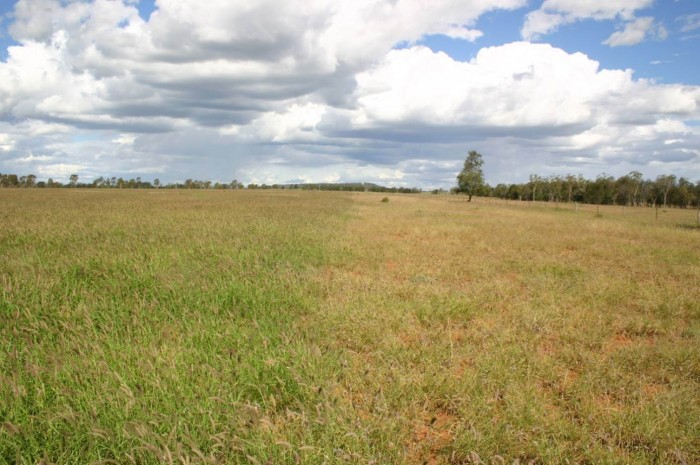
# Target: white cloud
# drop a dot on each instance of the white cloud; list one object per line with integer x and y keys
{"x": 555, "y": 13}
{"x": 125, "y": 140}
{"x": 516, "y": 85}
{"x": 297, "y": 123}
{"x": 59, "y": 171}
{"x": 597, "y": 9}
{"x": 6, "y": 143}
{"x": 463, "y": 33}
{"x": 540, "y": 96}
{"x": 636, "y": 31}
{"x": 689, "y": 22}
{"x": 541, "y": 22}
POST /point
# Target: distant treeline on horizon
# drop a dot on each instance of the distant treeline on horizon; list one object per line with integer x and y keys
{"x": 631, "y": 189}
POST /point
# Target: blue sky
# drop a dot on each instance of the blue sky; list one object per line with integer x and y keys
{"x": 389, "y": 92}
{"x": 5, "y": 39}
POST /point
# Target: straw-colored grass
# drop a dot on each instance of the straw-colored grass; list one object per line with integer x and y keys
{"x": 306, "y": 327}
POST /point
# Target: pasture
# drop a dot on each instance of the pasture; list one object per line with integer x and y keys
{"x": 284, "y": 327}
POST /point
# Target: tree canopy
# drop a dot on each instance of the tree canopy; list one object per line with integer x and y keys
{"x": 471, "y": 178}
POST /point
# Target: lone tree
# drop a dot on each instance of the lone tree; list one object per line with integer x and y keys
{"x": 471, "y": 178}
{"x": 73, "y": 179}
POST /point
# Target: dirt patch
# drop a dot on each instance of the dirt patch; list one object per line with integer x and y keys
{"x": 457, "y": 335}
{"x": 546, "y": 348}
{"x": 651, "y": 390}
{"x": 622, "y": 340}
{"x": 461, "y": 366}
{"x": 429, "y": 436}
{"x": 412, "y": 339}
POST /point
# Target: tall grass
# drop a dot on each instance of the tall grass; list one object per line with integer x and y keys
{"x": 280, "y": 327}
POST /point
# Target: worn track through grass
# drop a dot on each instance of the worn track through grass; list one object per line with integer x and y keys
{"x": 278, "y": 327}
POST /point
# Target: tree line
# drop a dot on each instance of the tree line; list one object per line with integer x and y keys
{"x": 13, "y": 180}
{"x": 632, "y": 189}
{"x": 30, "y": 180}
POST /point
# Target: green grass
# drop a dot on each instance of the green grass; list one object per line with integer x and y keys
{"x": 307, "y": 327}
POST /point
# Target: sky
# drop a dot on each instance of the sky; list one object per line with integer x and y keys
{"x": 395, "y": 92}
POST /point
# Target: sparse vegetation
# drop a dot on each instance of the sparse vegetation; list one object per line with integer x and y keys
{"x": 259, "y": 327}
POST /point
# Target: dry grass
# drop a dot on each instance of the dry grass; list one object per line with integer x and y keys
{"x": 530, "y": 333}
{"x": 280, "y": 327}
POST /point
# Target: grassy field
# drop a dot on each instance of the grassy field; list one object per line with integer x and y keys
{"x": 311, "y": 327}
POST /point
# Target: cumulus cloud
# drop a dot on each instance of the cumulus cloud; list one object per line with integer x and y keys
{"x": 515, "y": 85}
{"x": 519, "y": 90}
